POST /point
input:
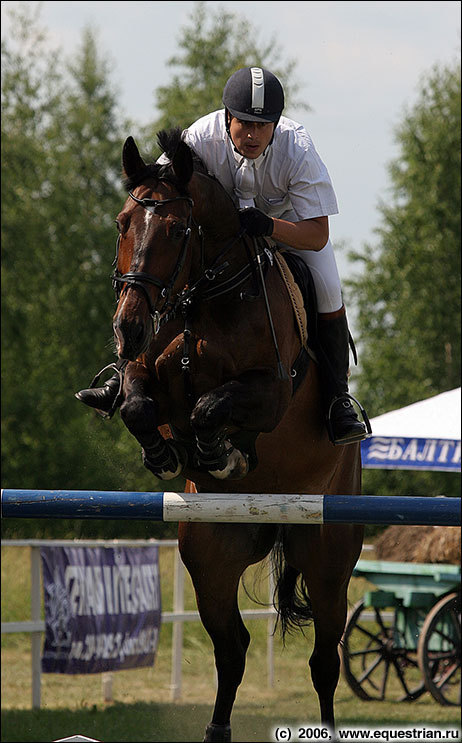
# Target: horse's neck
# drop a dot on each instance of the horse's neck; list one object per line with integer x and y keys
{"x": 219, "y": 221}
{"x": 213, "y": 210}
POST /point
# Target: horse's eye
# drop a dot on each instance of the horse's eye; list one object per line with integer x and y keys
{"x": 177, "y": 231}
{"x": 122, "y": 223}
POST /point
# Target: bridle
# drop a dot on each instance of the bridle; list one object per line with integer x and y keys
{"x": 205, "y": 285}
{"x": 140, "y": 278}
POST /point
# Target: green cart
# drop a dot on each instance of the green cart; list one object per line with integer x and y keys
{"x": 403, "y": 638}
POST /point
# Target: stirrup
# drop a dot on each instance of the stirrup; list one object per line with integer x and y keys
{"x": 354, "y": 438}
{"x": 106, "y": 415}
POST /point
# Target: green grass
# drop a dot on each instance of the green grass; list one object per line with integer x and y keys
{"x": 142, "y": 710}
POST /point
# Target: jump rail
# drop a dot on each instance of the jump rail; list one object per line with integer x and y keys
{"x": 235, "y": 507}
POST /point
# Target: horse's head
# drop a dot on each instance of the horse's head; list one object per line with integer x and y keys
{"x": 153, "y": 258}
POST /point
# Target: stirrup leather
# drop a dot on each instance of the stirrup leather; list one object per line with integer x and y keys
{"x": 353, "y": 438}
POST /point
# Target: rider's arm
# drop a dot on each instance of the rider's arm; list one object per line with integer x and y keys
{"x": 309, "y": 234}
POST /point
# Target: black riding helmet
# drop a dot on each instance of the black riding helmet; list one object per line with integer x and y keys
{"x": 253, "y": 94}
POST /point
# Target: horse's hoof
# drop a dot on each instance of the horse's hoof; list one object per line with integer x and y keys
{"x": 217, "y": 733}
{"x": 171, "y": 466}
{"x": 237, "y": 465}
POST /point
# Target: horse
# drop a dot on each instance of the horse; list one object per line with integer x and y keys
{"x": 206, "y": 327}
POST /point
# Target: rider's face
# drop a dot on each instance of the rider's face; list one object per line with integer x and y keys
{"x": 251, "y": 138}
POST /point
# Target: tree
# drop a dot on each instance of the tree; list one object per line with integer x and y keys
{"x": 61, "y": 154}
{"x": 408, "y": 293}
{"x": 212, "y": 47}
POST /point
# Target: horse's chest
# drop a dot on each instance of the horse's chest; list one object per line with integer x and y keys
{"x": 205, "y": 362}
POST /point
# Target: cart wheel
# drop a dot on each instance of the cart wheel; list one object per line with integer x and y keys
{"x": 375, "y": 661}
{"x": 438, "y": 652}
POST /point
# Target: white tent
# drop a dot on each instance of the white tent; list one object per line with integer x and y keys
{"x": 423, "y": 436}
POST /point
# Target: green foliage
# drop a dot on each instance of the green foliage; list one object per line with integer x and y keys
{"x": 215, "y": 44}
{"x": 61, "y": 153}
{"x": 62, "y": 137}
{"x": 408, "y": 292}
{"x": 55, "y": 233}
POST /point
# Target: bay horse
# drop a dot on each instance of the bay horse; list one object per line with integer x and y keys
{"x": 206, "y": 324}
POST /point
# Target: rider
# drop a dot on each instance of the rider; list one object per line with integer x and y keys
{"x": 269, "y": 165}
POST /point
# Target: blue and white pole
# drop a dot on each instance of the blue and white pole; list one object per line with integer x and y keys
{"x": 241, "y": 508}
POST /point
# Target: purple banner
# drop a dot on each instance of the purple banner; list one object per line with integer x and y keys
{"x": 102, "y": 608}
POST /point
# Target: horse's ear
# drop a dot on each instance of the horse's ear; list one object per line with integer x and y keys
{"x": 131, "y": 159}
{"x": 182, "y": 163}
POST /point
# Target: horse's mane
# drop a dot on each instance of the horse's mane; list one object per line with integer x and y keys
{"x": 168, "y": 141}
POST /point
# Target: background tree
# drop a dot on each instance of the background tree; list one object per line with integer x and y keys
{"x": 213, "y": 45}
{"x": 61, "y": 165}
{"x": 407, "y": 295}
{"x": 62, "y": 139}
{"x": 61, "y": 162}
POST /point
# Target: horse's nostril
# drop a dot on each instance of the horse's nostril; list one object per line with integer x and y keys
{"x": 130, "y": 336}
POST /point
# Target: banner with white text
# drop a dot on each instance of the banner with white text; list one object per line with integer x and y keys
{"x": 400, "y": 453}
{"x": 102, "y": 608}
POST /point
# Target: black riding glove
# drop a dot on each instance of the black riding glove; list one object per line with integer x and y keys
{"x": 256, "y": 223}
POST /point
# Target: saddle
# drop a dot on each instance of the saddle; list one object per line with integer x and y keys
{"x": 302, "y": 293}
{"x": 300, "y": 286}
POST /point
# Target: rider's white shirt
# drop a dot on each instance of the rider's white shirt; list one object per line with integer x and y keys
{"x": 288, "y": 181}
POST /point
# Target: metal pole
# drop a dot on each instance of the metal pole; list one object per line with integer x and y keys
{"x": 177, "y": 631}
{"x": 36, "y": 637}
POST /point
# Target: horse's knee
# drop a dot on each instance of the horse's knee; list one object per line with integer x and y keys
{"x": 164, "y": 458}
{"x": 211, "y": 413}
{"x": 137, "y": 411}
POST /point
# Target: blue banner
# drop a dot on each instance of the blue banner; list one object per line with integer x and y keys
{"x": 442, "y": 455}
{"x": 102, "y": 608}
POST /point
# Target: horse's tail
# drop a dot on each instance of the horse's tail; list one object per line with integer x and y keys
{"x": 291, "y": 597}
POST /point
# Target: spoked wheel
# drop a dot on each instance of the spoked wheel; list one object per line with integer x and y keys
{"x": 375, "y": 660}
{"x": 438, "y": 652}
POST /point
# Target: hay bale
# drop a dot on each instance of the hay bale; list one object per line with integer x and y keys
{"x": 441, "y": 546}
{"x": 430, "y": 544}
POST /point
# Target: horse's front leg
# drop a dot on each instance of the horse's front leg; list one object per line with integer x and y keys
{"x": 139, "y": 412}
{"x": 254, "y": 402}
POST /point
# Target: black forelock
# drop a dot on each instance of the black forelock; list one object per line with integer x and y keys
{"x": 168, "y": 141}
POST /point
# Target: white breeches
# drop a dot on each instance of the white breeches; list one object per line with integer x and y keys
{"x": 325, "y": 276}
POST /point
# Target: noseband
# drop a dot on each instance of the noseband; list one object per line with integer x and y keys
{"x": 140, "y": 278}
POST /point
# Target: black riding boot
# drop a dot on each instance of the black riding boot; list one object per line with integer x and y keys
{"x": 105, "y": 399}
{"x": 342, "y": 422}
